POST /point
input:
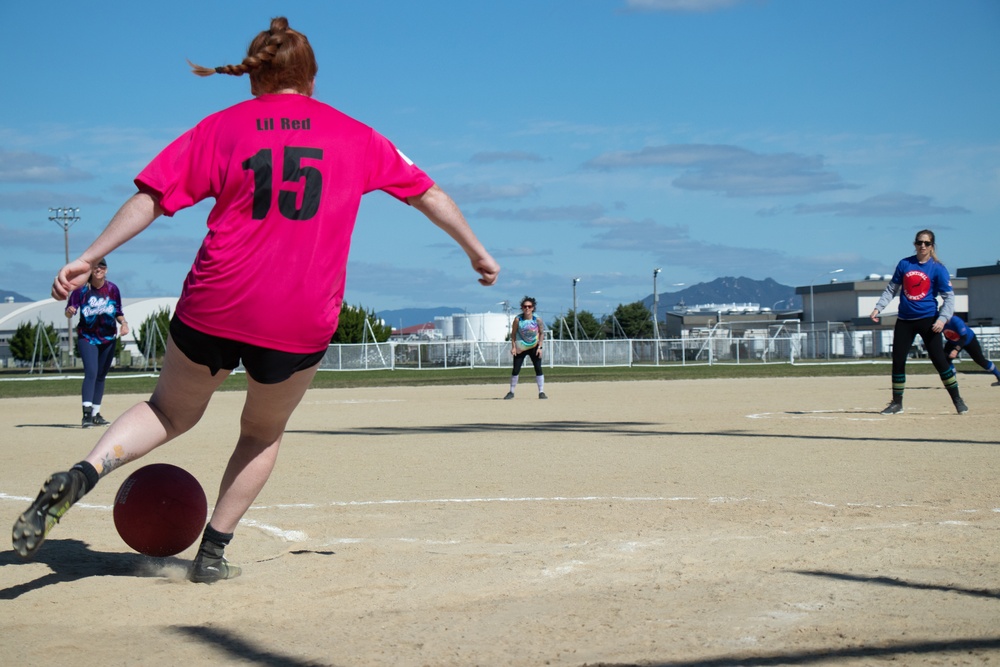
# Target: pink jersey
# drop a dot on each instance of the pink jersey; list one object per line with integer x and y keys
{"x": 287, "y": 173}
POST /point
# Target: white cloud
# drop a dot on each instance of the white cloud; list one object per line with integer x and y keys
{"x": 488, "y": 157}
{"x": 480, "y": 192}
{"x": 32, "y": 167}
{"x": 734, "y": 171}
{"x": 890, "y": 205}
{"x": 41, "y": 200}
{"x": 585, "y": 212}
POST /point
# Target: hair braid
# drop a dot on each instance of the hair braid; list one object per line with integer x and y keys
{"x": 293, "y": 67}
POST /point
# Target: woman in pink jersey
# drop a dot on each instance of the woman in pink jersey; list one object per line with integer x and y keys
{"x": 287, "y": 174}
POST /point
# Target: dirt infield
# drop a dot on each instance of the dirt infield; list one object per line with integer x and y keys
{"x": 690, "y": 523}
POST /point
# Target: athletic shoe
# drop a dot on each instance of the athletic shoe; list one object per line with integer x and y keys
{"x": 541, "y": 394}
{"x": 99, "y": 420}
{"x": 58, "y": 494}
{"x": 893, "y": 408}
{"x": 208, "y": 570}
{"x": 996, "y": 384}
{"x": 509, "y": 396}
{"x": 961, "y": 406}
{"x": 87, "y": 422}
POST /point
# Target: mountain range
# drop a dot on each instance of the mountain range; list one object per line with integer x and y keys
{"x": 13, "y": 296}
{"x": 767, "y": 293}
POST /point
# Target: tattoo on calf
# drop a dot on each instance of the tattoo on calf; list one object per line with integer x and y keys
{"x": 114, "y": 460}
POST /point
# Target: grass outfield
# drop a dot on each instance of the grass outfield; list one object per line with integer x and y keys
{"x": 18, "y": 385}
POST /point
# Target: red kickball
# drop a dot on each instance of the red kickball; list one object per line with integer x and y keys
{"x": 160, "y": 510}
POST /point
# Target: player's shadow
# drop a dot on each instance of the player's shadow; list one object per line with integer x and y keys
{"x": 244, "y": 649}
{"x": 900, "y": 583}
{"x": 832, "y": 656}
{"x": 72, "y": 560}
{"x": 629, "y": 428}
{"x": 75, "y": 427}
{"x": 568, "y": 426}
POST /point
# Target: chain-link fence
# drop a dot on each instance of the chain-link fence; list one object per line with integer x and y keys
{"x": 742, "y": 343}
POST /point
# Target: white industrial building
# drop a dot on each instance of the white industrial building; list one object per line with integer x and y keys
{"x": 49, "y": 311}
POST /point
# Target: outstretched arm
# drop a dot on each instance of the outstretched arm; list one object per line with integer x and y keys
{"x": 134, "y": 216}
{"x": 444, "y": 212}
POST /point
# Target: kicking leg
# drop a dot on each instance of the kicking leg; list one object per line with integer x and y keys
{"x": 178, "y": 402}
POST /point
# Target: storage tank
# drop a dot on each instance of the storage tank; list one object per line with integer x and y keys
{"x": 444, "y": 325}
{"x": 492, "y": 327}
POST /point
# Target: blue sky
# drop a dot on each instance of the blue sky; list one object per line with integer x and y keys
{"x": 594, "y": 139}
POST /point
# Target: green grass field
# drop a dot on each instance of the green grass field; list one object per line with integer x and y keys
{"x": 17, "y": 385}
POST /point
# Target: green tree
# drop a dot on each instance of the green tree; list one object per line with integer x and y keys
{"x": 588, "y": 325}
{"x": 635, "y": 320}
{"x": 146, "y": 337}
{"x": 22, "y": 343}
{"x": 352, "y": 329}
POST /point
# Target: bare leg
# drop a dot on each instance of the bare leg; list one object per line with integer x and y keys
{"x": 178, "y": 402}
{"x": 265, "y": 414}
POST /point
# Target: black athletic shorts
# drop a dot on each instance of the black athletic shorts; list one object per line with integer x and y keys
{"x": 264, "y": 365}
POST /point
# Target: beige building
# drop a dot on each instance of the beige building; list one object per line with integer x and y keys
{"x": 984, "y": 294}
{"x": 853, "y": 301}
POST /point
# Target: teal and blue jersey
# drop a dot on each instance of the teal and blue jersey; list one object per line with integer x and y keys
{"x": 527, "y": 333}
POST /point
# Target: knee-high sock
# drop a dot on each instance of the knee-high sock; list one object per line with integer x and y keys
{"x": 898, "y": 385}
{"x": 950, "y": 382}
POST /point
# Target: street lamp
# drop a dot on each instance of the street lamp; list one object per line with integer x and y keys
{"x": 812, "y": 302}
{"x": 65, "y": 217}
{"x": 656, "y": 306}
{"x": 576, "y": 328}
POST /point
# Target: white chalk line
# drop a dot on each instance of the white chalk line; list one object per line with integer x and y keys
{"x": 298, "y": 536}
{"x": 828, "y": 415}
{"x": 536, "y": 499}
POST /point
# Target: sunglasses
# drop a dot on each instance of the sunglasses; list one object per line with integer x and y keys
{"x": 923, "y": 243}
{"x": 528, "y": 306}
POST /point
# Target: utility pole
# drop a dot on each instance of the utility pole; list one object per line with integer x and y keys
{"x": 65, "y": 218}
{"x": 656, "y": 307}
{"x": 576, "y": 326}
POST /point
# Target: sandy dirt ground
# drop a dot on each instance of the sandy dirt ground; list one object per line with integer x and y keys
{"x": 687, "y": 523}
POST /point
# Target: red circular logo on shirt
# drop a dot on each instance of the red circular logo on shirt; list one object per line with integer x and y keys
{"x": 952, "y": 335}
{"x": 916, "y": 285}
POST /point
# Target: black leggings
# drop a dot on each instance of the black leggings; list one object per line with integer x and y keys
{"x": 903, "y": 335}
{"x": 902, "y": 338}
{"x": 973, "y": 349}
{"x": 536, "y": 360}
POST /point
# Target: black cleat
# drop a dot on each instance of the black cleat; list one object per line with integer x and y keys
{"x": 98, "y": 420}
{"x": 509, "y": 396}
{"x": 208, "y": 570}
{"x": 960, "y": 406}
{"x": 58, "y": 494}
